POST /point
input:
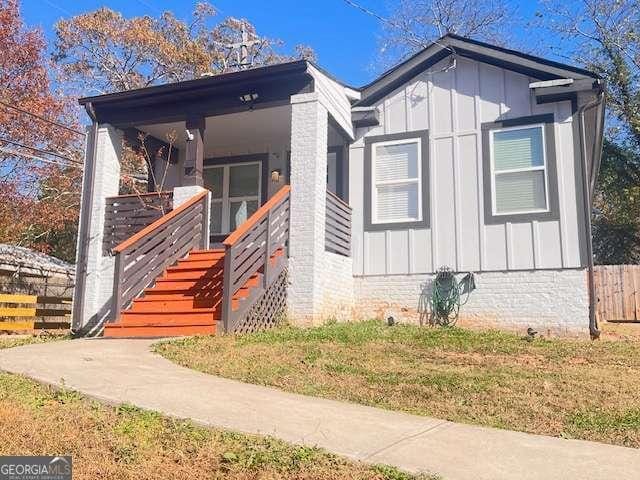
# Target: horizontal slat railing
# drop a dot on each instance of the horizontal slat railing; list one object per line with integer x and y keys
{"x": 144, "y": 256}
{"x": 337, "y": 238}
{"x": 248, "y": 251}
{"x": 126, "y": 215}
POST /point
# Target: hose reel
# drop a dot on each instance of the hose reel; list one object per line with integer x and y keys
{"x": 448, "y": 295}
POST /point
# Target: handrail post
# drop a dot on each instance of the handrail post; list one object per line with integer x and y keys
{"x": 267, "y": 253}
{"x": 226, "y": 311}
{"x": 205, "y": 222}
{"x": 117, "y": 287}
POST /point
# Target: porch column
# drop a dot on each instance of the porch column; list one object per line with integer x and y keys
{"x": 309, "y": 121}
{"x": 94, "y": 269}
{"x": 193, "y": 164}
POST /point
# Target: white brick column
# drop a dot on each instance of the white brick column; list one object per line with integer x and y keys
{"x": 309, "y": 122}
{"x": 183, "y": 194}
{"x": 101, "y": 179}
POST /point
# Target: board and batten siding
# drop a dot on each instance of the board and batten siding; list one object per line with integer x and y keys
{"x": 453, "y": 105}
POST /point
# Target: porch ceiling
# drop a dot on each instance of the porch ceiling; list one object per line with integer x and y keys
{"x": 252, "y": 129}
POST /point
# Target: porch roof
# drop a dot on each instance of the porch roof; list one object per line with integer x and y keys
{"x": 272, "y": 85}
{"x": 201, "y": 97}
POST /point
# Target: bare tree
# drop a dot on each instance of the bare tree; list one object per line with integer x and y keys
{"x": 603, "y": 36}
{"x": 415, "y": 24}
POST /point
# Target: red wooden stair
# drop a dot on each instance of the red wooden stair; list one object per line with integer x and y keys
{"x": 164, "y": 287}
{"x": 185, "y": 300}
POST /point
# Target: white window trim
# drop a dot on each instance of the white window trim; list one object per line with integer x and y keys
{"x": 226, "y": 200}
{"x": 543, "y": 167}
{"x": 408, "y": 181}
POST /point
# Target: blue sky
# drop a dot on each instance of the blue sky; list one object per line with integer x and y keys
{"x": 345, "y": 39}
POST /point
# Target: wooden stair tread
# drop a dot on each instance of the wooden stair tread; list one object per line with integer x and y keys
{"x": 114, "y": 331}
{"x": 173, "y": 308}
{"x": 136, "y": 320}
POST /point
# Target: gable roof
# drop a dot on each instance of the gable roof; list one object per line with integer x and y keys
{"x": 450, "y": 44}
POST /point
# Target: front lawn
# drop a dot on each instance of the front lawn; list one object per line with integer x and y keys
{"x": 570, "y": 388}
{"x": 125, "y": 442}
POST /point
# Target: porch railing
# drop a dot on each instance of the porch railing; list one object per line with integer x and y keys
{"x": 257, "y": 248}
{"x": 337, "y": 237}
{"x": 142, "y": 257}
{"x": 126, "y": 215}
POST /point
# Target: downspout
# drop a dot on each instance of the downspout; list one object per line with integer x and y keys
{"x": 588, "y": 187}
{"x": 82, "y": 244}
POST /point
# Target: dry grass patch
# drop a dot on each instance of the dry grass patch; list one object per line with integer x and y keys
{"x": 128, "y": 443}
{"x": 569, "y": 388}
{"x": 9, "y": 341}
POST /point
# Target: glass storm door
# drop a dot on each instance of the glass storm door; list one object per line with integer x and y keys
{"x": 235, "y": 194}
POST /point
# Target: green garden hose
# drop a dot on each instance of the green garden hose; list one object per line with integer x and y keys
{"x": 448, "y": 295}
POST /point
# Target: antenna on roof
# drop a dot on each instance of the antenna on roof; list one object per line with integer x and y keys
{"x": 241, "y": 48}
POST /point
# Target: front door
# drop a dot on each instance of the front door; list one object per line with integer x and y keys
{"x": 235, "y": 194}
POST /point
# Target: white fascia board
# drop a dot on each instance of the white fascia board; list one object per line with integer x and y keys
{"x": 559, "y": 82}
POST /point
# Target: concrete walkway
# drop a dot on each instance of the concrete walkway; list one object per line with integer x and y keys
{"x": 118, "y": 371}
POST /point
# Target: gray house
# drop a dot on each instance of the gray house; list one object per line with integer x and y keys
{"x": 287, "y": 191}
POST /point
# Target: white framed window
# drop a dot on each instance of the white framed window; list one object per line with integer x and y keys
{"x": 519, "y": 170}
{"x": 396, "y": 181}
{"x": 235, "y": 194}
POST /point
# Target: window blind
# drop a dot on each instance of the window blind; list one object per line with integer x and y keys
{"x": 520, "y": 192}
{"x": 397, "y": 202}
{"x": 516, "y": 149}
{"x": 396, "y": 162}
{"x": 519, "y": 170}
{"x": 397, "y": 182}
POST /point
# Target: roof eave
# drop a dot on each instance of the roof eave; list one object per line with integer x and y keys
{"x": 298, "y": 66}
{"x": 447, "y": 45}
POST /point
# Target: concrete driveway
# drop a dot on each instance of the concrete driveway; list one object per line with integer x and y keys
{"x": 117, "y": 371}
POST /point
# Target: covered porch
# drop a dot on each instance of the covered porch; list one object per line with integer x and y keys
{"x": 235, "y": 142}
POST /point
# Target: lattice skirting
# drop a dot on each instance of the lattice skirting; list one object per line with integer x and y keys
{"x": 269, "y": 310}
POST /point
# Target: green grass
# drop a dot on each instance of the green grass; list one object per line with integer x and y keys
{"x": 570, "y": 388}
{"x": 125, "y": 442}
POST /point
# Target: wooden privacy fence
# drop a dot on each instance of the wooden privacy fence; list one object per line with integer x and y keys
{"x": 126, "y": 215}
{"x": 19, "y": 312}
{"x": 337, "y": 237}
{"x": 618, "y": 292}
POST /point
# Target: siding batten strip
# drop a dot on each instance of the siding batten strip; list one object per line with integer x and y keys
{"x": 508, "y": 239}
{"x": 410, "y": 258}
{"x": 482, "y": 258}
{"x": 387, "y": 256}
{"x": 457, "y": 188}
{"x": 432, "y": 183}
{"x": 560, "y": 166}
{"x": 535, "y": 243}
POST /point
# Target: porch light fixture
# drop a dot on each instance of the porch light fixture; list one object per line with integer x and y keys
{"x": 275, "y": 175}
{"x": 248, "y": 97}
